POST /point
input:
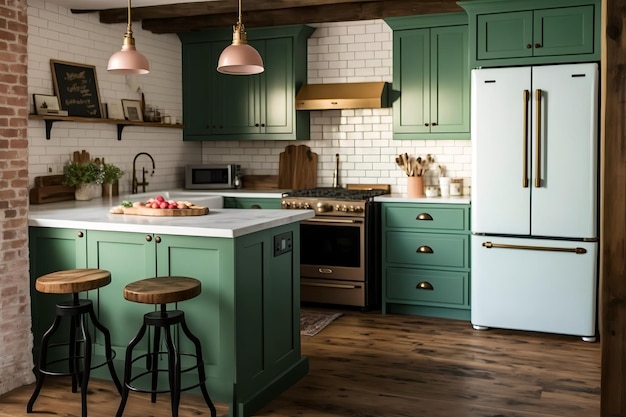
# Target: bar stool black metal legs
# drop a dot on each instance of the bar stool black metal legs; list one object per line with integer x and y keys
{"x": 162, "y": 290}
{"x": 78, "y": 361}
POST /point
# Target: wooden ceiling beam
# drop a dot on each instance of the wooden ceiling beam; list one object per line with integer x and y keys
{"x": 276, "y": 12}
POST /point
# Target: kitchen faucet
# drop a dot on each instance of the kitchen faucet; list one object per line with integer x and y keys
{"x": 143, "y": 182}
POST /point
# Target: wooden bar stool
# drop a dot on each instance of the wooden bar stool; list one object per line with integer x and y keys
{"x": 163, "y": 290}
{"x": 78, "y": 362}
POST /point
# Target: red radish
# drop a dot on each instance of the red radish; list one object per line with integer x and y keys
{"x": 172, "y": 206}
{"x": 160, "y": 199}
{"x": 163, "y": 204}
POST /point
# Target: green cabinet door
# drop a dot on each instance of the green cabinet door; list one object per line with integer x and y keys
{"x": 129, "y": 257}
{"x": 563, "y": 31}
{"x": 449, "y": 80}
{"x": 504, "y": 35}
{"x": 52, "y": 250}
{"x": 197, "y": 63}
{"x": 430, "y": 77}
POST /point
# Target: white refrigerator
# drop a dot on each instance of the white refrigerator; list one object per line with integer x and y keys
{"x": 534, "y": 244}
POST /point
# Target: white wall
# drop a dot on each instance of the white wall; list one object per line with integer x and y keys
{"x": 349, "y": 52}
{"x": 337, "y": 52}
{"x": 55, "y": 33}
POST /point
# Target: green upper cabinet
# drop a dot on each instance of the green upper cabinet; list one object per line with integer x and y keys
{"x": 228, "y": 107}
{"x": 533, "y": 32}
{"x": 431, "y": 89}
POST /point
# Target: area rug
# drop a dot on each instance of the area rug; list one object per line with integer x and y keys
{"x": 313, "y": 322}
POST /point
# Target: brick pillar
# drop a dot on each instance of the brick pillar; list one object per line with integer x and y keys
{"x": 15, "y": 323}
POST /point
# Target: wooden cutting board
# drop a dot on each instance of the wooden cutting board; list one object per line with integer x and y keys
{"x": 145, "y": 211}
{"x": 297, "y": 168}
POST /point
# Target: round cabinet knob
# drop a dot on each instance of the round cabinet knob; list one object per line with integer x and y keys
{"x": 148, "y": 238}
{"x": 537, "y": 45}
{"x": 528, "y": 46}
{"x": 433, "y": 124}
{"x": 426, "y": 124}
{"x": 157, "y": 239}
{"x": 80, "y": 234}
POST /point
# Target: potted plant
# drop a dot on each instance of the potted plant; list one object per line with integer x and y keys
{"x": 112, "y": 174}
{"x": 87, "y": 177}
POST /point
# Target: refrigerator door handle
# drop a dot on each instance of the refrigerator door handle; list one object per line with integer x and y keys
{"x": 525, "y": 141}
{"x": 577, "y": 251}
{"x": 538, "y": 140}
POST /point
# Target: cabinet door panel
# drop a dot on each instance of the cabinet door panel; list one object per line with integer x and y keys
{"x": 449, "y": 93}
{"x": 197, "y": 62}
{"x": 129, "y": 257}
{"x": 278, "y": 90}
{"x": 504, "y": 35}
{"x": 411, "y": 77}
{"x": 564, "y": 31}
{"x": 237, "y": 107}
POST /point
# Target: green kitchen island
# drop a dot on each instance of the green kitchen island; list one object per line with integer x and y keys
{"x": 247, "y": 316}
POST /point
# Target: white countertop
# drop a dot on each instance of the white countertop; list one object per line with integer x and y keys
{"x": 403, "y": 198}
{"x": 95, "y": 215}
{"x": 241, "y": 192}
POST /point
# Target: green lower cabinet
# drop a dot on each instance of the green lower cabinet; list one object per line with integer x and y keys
{"x": 254, "y": 203}
{"x": 426, "y": 260}
{"x": 52, "y": 250}
{"x": 246, "y": 317}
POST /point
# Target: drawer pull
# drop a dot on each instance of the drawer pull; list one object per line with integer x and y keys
{"x": 424, "y": 249}
{"x": 424, "y": 216}
{"x": 424, "y": 285}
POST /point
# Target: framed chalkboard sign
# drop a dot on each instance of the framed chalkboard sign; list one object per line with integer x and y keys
{"x": 76, "y": 86}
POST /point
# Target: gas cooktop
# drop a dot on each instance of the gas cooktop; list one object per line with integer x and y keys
{"x": 335, "y": 193}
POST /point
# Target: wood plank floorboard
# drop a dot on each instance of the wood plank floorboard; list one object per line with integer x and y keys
{"x": 365, "y": 364}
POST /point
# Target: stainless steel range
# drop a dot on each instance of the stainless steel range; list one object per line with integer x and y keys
{"x": 340, "y": 246}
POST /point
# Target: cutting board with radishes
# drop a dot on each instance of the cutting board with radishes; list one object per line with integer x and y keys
{"x": 159, "y": 206}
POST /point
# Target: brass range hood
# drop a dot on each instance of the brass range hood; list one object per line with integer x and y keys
{"x": 367, "y": 95}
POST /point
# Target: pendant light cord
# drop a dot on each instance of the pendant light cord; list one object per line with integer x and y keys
{"x": 239, "y": 20}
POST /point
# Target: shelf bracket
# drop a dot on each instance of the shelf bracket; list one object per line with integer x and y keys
{"x": 49, "y": 128}
{"x": 120, "y": 127}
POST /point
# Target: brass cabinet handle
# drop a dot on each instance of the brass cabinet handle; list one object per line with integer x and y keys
{"x": 255, "y": 206}
{"x": 80, "y": 234}
{"x": 424, "y": 216}
{"x": 537, "y": 45}
{"x": 433, "y": 124}
{"x": 538, "y": 140}
{"x": 525, "y": 141}
{"x": 528, "y": 46}
{"x": 424, "y": 285}
{"x": 157, "y": 239}
{"x": 148, "y": 238}
{"x": 424, "y": 249}
{"x": 426, "y": 124}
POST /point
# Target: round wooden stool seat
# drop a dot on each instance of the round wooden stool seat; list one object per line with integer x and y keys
{"x": 162, "y": 290}
{"x": 72, "y": 281}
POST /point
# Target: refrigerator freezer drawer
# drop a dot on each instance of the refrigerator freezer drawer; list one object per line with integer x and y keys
{"x": 534, "y": 284}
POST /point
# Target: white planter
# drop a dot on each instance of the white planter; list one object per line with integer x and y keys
{"x": 87, "y": 191}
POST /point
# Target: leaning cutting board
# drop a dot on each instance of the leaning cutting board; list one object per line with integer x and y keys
{"x": 145, "y": 211}
{"x": 297, "y": 168}
{"x": 50, "y": 189}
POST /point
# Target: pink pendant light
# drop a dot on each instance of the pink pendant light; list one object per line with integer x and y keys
{"x": 240, "y": 58}
{"x": 128, "y": 60}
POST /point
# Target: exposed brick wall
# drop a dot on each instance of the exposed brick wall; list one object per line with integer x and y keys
{"x": 15, "y": 334}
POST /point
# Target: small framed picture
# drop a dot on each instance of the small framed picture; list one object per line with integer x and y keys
{"x": 115, "y": 111}
{"x": 45, "y": 104}
{"x": 132, "y": 110}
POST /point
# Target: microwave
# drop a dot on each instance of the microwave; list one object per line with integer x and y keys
{"x": 209, "y": 177}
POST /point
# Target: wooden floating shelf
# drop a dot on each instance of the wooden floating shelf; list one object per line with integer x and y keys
{"x": 121, "y": 124}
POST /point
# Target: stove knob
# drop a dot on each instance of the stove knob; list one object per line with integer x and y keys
{"x": 307, "y": 206}
{"x": 351, "y": 209}
{"x": 323, "y": 208}
{"x": 285, "y": 205}
{"x": 358, "y": 209}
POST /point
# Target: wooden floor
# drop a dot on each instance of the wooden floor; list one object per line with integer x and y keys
{"x": 369, "y": 365}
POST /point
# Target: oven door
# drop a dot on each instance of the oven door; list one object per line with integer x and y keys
{"x": 333, "y": 248}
